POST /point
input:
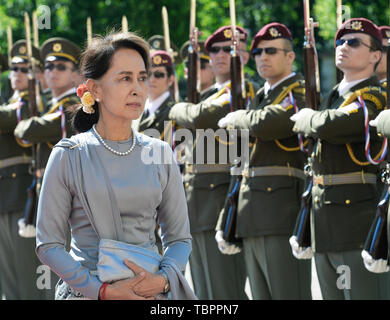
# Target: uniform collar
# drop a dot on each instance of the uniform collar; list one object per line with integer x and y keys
{"x": 152, "y": 106}
{"x": 55, "y": 100}
{"x": 268, "y": 87}
{"x": 345, "y": 86}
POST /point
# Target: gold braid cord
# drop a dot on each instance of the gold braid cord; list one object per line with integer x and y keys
{"x": 54, "y": 108}
{"x": 279, "y": 99}
{"x": 370, "y": 97}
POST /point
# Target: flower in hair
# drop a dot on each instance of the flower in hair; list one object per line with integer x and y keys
{"x": 86, "y": 99}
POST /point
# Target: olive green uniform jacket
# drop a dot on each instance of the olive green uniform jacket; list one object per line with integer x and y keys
{"x": 205, "y": 191}
{"x": 46, "y": 130}
{"x": 342, "y": 214}
{"x": 14, "y": 179}
{"x": 268, "y": 205}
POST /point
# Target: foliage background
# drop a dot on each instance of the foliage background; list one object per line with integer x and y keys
{"x": 68, "y": 19}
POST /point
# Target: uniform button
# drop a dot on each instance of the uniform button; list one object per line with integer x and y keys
{"x": 211, "y": 185}
{"x": 13, "y": 175}
{"x": 295, "y": 129}
{"x": 187, "y": 184}
{"x": 380, "y": 135}
{"x": 347, "y": 201}
{"x": 269, "y": 189}
{"x": 316, "y": 199}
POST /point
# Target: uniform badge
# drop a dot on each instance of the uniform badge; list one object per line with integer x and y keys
{"x": 156, "y": 44}
{"x": 228, "y": 33}
{"x": 356, "y": 25}
{"x": 57, "y": 47}
{"x": 274, "y": 32}
{"x": 157, "y": 60}
{"x": 22, "y": 50}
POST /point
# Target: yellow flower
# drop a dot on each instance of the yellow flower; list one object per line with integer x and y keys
{"x": 87, "y": 99}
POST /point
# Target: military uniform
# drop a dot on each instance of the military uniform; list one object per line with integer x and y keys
{"x": 345, "y": 185}
{"x": 54, "y": 123}
{"x": 269, "y": 194}
{"x": 215, "y": 275}
{"x": 18, "y": 261}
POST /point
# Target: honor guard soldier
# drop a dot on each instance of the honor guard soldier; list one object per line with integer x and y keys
{"x": 268, "y": 199}
{"x": 344, "y": 162}
{"x": 18, "y": 261}
{"x": 160, "y": 100}
{"x": 215, "y": 275}
{"x": 61, "y": 59}
{"x": 206, "y": 71}
{"x": 382, "y": 67}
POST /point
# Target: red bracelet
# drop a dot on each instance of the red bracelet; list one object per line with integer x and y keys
{"x": 102, "y": 291}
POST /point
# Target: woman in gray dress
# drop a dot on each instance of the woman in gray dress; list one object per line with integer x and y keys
{"x": 124, "y": 180}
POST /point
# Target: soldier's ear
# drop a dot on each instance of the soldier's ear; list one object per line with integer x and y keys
{"x": 291, "y": 56}
{"x": 245, "y": 57}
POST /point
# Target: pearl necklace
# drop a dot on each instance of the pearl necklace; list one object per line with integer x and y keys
{"x": 111, "y": 149}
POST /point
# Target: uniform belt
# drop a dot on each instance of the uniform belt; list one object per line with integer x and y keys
{"x": 345, "y": 178}
{"x": 273, "y": 171}
{"x": 14, "y": 161}
{"x": 207, "y": 168}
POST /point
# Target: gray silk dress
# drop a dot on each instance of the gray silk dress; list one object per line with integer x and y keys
{"x": 147, "y": 187}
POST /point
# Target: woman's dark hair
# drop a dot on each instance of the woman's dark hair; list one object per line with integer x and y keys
{"x": 95, "y": 62}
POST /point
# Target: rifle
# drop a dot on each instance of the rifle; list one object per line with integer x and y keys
{"x": 339, "y": 73}
{"x": 312, "y": 94}
{"x": 27, "y": 229}
{"x": 193, "y": 81}
{"x": 237, "y": 102}
{"x": 89, "y": 31}
{"x": 9, "y": 43}
{"x": 168, "y": 48}
{"x": 125, "y": 25}
{"x": 377, "y": 240}
{"x": 236, "y": 68}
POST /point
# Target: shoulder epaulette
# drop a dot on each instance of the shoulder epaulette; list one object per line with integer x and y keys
{"x": 286, "y": 90}
{"x": 374, "y": 94}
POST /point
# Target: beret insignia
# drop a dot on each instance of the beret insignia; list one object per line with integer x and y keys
{"x": 274, "y": 32}
{"x": 157, "y": 60}
{"x": 388, "y": 33}
{"x": 228, "y": 33}
{"x": 356, "y": 25}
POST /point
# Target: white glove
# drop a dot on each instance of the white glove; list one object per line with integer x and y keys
{"x": 374, "y": 123}
{"x": 223, "y": 122}
{"x": 222, "y": 99}
{"x": 26, "y": 231}
{"x": 301, "y": 114}
{"x": 300, "y": 252}
{"x": 224, "y": 246}
{"x": 376, "y": 266}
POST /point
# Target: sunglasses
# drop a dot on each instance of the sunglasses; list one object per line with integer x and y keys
{"x": 203, "y": 64}
{"x": 216, "y": 49}
{"x": 59, "y": 67}
{"x": 22, "y": 69}
{"x": 157, "y": 74}
{"x": 353, "y": 43}
{"x": 270, "y": 50}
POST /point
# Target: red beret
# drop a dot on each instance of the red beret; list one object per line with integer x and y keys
{"x": 224, "y": 34}
{"x": 160, "y": 58}
{"x": 271, "y": 31}
{"x": 361, "y": 25}
{"x": 385, "y": 31}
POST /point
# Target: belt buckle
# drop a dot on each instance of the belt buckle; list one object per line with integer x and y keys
{"x": 319, "y": 180}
